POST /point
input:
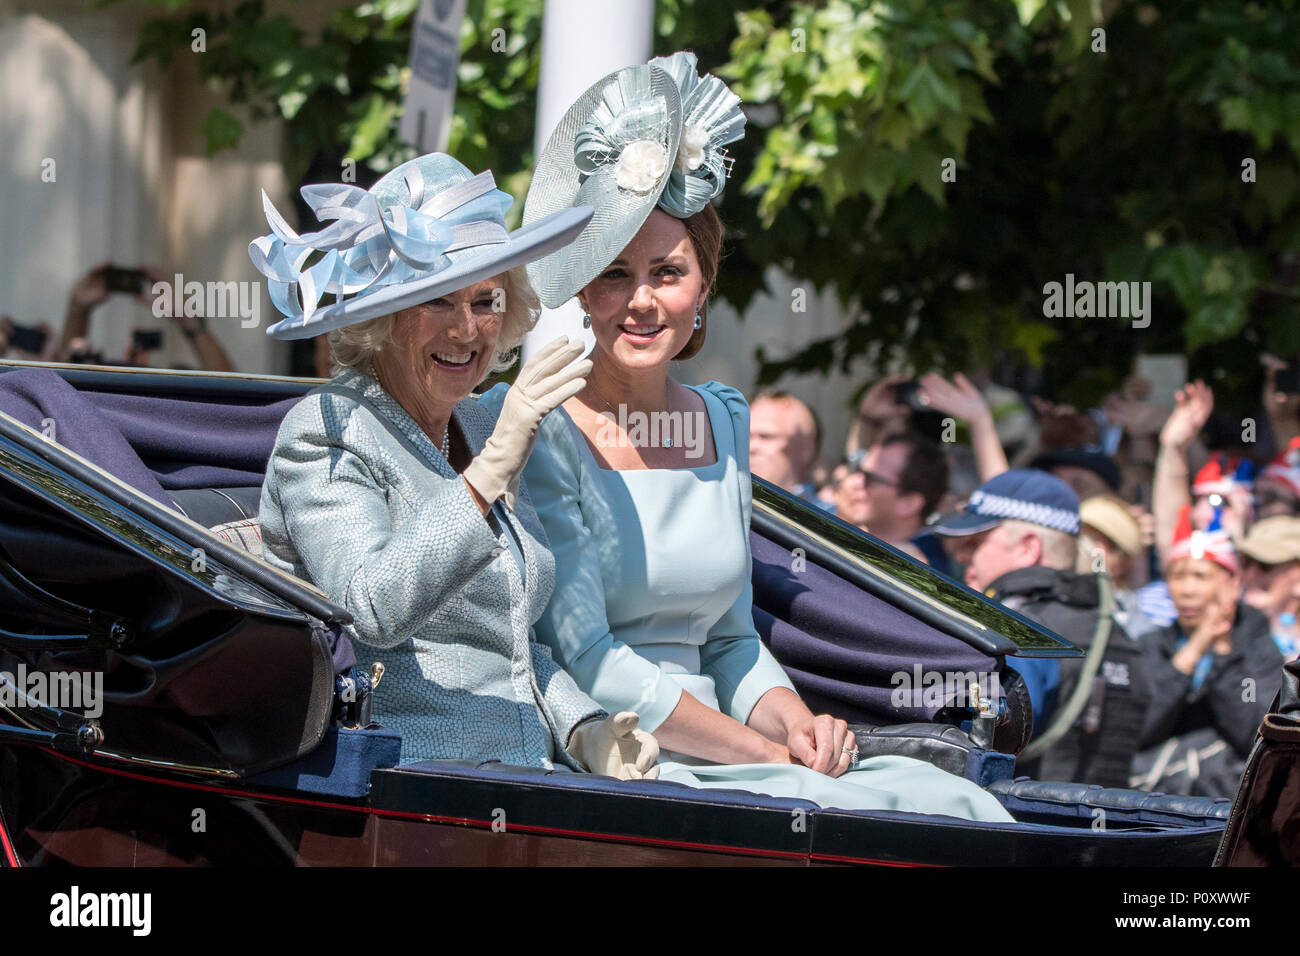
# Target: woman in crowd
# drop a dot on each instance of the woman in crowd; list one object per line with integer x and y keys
{"x": 398, "y": 494}
{"x": 1212, "y": 674}
{"x": 652, "y": 610}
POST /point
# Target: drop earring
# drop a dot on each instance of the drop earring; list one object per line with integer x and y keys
{"x": 586, "y": 320}
{"x": 699, "y": 322}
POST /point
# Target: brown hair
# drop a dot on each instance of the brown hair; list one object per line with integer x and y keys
{"x": 705, "y": 231}
{"x": 924, "y": 471}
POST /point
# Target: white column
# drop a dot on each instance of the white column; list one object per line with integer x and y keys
{"x": 582, "y": 40}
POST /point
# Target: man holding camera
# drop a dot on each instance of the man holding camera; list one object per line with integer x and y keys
{"x": 94, "y": 288}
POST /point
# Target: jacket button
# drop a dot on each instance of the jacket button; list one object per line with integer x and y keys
{"x": 497, "y": 552}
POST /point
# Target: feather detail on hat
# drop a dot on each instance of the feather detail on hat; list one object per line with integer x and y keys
{"x": 711, "y": 118}
{"x": 625, "y": 129}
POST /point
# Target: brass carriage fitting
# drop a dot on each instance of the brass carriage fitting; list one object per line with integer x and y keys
{"x": 984, "y": 706}
{"x": 90, "y": 736}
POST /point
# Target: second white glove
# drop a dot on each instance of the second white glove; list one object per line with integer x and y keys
{"x": 615, "y": 746}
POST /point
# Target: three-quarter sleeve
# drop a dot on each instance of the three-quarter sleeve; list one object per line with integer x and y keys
{"x": 575, "y": 624}
{"x": 336, "y": 517}
{"x": 742, "y": 667}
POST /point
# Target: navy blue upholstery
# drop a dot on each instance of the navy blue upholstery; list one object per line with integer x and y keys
{"x": 842, "y": 647}
{"x": 340, "y": 766}
{"x": 598, "y": 783}
{"x": 1045, "y": 798}
{"x": 986, "y": 766}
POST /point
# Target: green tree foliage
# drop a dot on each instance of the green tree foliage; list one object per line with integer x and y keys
{"x": 1125, "y": 164}
{"x": 1114, "y": 157}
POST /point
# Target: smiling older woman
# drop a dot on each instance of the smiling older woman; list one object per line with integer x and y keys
{"x": 398, "y": 494}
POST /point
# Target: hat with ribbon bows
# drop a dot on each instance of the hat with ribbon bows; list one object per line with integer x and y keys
{"x": 427, "y": 228}
{"x": 644, "y": 136}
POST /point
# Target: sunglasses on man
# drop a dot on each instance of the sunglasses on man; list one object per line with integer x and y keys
{"x": 854, "y": 464}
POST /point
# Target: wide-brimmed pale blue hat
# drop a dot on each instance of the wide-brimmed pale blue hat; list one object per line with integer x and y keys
{"x": 427, "y": 228}
{"x": 641, "y": 137}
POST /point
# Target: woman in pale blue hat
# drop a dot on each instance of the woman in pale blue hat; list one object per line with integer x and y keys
{"x": 399, "y": 495}
{"x": 652, "y": 609}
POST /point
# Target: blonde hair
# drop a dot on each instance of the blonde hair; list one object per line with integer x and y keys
{"x": 1060, "y": 548}
{"x": 355, "y": 345}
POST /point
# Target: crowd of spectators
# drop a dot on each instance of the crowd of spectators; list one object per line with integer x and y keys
{"x": 1194, "y": 528}
{"x": 39, "y": 343}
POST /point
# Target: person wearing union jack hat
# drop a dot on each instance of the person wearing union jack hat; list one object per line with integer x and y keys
{"x": 1211, "y": 674}
{"x": 1277, "y": 492}
{"x": 1224, "y": 483}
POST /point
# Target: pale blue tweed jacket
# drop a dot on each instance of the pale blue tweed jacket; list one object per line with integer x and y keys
{"x": 360, "y": 502}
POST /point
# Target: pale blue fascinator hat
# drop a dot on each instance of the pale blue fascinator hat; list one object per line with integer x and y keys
{"x": 426, "y": 229}
{"x": 644, "y": 136}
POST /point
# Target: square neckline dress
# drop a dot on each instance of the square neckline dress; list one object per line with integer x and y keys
{"x": 653, "y": 597}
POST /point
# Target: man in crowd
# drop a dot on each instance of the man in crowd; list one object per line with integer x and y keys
{"x": 784, "y": 439}
{"x": 93, "y": 290}
{"x": 1017, "y": 538}
{"x": 891, "y": 490}
{"x": 1112, "y": 541}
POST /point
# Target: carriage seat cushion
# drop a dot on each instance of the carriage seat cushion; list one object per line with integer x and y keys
{"x": 948, "y": 748}
{"x": 217, "y": 506}
{"x": 1022, "y": 796}
{"x": 246, "y": 534}
{"x": 229, "y": 513}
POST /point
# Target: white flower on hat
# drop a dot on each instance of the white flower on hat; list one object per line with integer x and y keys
{"x": 690, "y": 149}
{"x": 641, "y": 166}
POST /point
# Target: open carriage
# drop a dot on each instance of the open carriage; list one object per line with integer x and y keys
{"x": 223, "y": 732}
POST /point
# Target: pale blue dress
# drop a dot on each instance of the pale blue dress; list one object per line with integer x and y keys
{"x": 653, "y": 597}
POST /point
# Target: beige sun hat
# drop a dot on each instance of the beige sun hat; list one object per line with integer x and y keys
{"x": 1273, "y": 540}
{"x": 1111, "y": 516}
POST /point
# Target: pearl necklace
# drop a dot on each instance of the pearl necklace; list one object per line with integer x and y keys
{"x": 445, "y": 447}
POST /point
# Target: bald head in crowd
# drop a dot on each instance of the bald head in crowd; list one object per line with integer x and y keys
{"x": 783, "y": 440}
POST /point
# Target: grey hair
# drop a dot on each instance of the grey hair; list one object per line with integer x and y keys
{"x": 1060, "y": 549}
{"x": 354, "y": 346}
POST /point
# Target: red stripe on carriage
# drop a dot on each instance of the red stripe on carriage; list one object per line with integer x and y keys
{"x": 486, "y": 824}
{"x": 10, "y": 854}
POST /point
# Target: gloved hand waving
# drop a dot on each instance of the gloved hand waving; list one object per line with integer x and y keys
{"x": 545, "y": 381}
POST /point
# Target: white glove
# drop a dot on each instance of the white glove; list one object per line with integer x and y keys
{"x": 546, "y": 381}
{"x": 615, "y": 747}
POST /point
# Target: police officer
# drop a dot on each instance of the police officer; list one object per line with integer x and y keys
{"x": 1018, "y": 539}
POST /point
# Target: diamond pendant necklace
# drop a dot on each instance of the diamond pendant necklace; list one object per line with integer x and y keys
{"x": 668, "y": 441}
